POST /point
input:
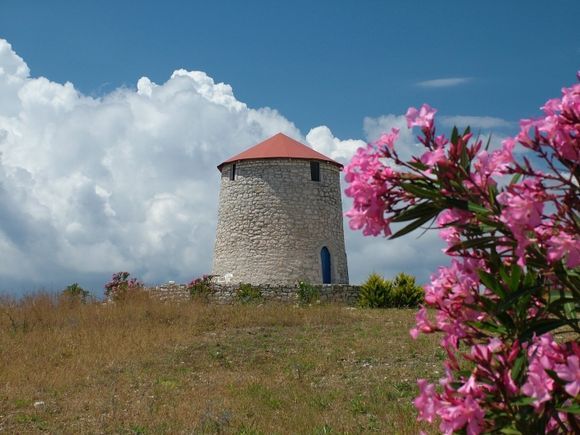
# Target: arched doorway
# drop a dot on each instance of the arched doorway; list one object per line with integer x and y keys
{"x": 325, "y": 262}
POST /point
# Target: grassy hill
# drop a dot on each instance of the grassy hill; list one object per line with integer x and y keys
{"x": 146, "y": 367}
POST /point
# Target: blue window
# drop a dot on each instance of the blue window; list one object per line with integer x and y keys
{"x": 325, "y": 262}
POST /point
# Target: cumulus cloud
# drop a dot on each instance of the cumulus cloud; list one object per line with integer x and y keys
{"x": 90, "y": 186}
{"x": 323, "y": 141}
{"x": 444, "y": 82}
{"x": 128, "y": 181}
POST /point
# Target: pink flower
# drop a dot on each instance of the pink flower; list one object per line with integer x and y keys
{"x": 543, "y": 354}
{"x": 496, "y": 163}
{"x": 464, "y": 413}
{"x": 388, "y": 139}
{"x": 423, "y": 324}
{"x": 434, "y": 157}
{"x": 422, "y": 118}
{"x": 538, "y": 385}
{"x": 570, "y": 372}
{"x": 523, "y": 206}
{"x": 426, "y": 403}
{"x": 470, "y": 387}
{"x": 564, "y": 244}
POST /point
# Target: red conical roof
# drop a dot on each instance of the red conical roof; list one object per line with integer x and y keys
{"x": 279, "y": 146}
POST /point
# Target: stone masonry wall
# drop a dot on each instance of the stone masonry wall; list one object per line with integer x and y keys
{"x": 226, "y": 293}
{"x": 274, "y": 220}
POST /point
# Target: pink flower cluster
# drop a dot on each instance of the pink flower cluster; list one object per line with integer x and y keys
{"x": 558, "y": 129}
{"x": 544, "y": 355}
{"x": 369, "y": 187}
{"x": 496, "y": 234}
{"x": 120, "y": 284}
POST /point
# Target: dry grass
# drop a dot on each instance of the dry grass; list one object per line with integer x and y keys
{"x": 147, "y": 367}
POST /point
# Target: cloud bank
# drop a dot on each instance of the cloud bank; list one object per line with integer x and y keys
{"x": 444, "y": 83}
{"x": 483, "y": 122}
{"x": 90, "y": 186}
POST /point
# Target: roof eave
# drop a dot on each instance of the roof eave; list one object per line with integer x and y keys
{"x": 332, "y": 162}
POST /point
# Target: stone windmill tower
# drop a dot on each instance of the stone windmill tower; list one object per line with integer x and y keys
{"x": 280, "y": 216}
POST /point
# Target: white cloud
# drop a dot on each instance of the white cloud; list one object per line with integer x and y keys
{"x": 407, "y": 144}
{"x": 444, "y": 82}
{"x": 484, "y": 122}
{"x": 322, "y": 140}
{"x": 124, "y": 182}
{"x": 90, "y": 186}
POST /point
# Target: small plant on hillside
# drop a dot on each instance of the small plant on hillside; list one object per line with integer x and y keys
{"x": 307, "y": 293}
{"x": 375, "y": 292}
{"x": 247, "y": 293}
{"x": 120, "y": 286}
{"x": 200, "y": 288}
{"x": 405, "y": 293}
{"x": 75, "y": 293}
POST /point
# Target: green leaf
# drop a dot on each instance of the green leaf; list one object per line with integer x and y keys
{"x": 515, "y": 178}
{"x": 503, "y": 274}
{"x": 542, "y": 326}
{"x": 518, "y": 367}
{"x": 510, "y": 431}
{"x": 512, "y": 299}
{"x": 516, "y": 274}
{"x": 414, "y": 225}
{"x": 488, "y": 143}
{"x": 420, "y": 191}
{"x": 524, "y": 401}
{"x": 480, "y": 242}
{"x": 418, "y": 165}
{"x": 574, "y": 409}
{"x": 488, "y": 326}
{"x": 456, "y": 203}
{"x": 420, "y": 210}
{"x": 505, "y": 319}
{"x": 476, "y": 208}
{"x": 454, "y": 135}
{"x": 491, "y": 283}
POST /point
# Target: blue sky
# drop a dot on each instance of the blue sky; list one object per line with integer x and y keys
{"x": 317, "y": 62}
{"x": 332, "y": 71}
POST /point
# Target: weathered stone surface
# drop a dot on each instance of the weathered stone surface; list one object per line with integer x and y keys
{"x": 274, "y": 221}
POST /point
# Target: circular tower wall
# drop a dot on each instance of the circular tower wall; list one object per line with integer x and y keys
{"x": 274, "y": 221}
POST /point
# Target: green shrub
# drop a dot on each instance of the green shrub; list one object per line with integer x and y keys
{"x": 200, "y": 288}
{"x": 307, "y": 293}
{"x": 402, "y": 292}
{"x": 247, "y": 293}
{"x": 375, "y": 292}
{"x": 405, "y": 293}
{"x": 75, "y": 293}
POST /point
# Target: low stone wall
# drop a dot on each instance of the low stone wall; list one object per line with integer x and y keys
{"x": 170, "y": 292}
{"x": 226, "y": 293}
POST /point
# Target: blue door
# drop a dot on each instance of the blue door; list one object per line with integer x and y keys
{"x": 325, "y": 260}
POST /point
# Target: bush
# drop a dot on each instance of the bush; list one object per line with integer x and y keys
{"x": 120, "y": 287}
{"x": 75, "y": 293}
{"x": 247, "y": 294}
{"x": 402, "y": 292}
{"x": 405, "y": 293}
{"x": 200, "y": 288}
{"x": 375, "y": 292}
{"x": 307, "y": 293}
{"x": 507, "y": 304}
